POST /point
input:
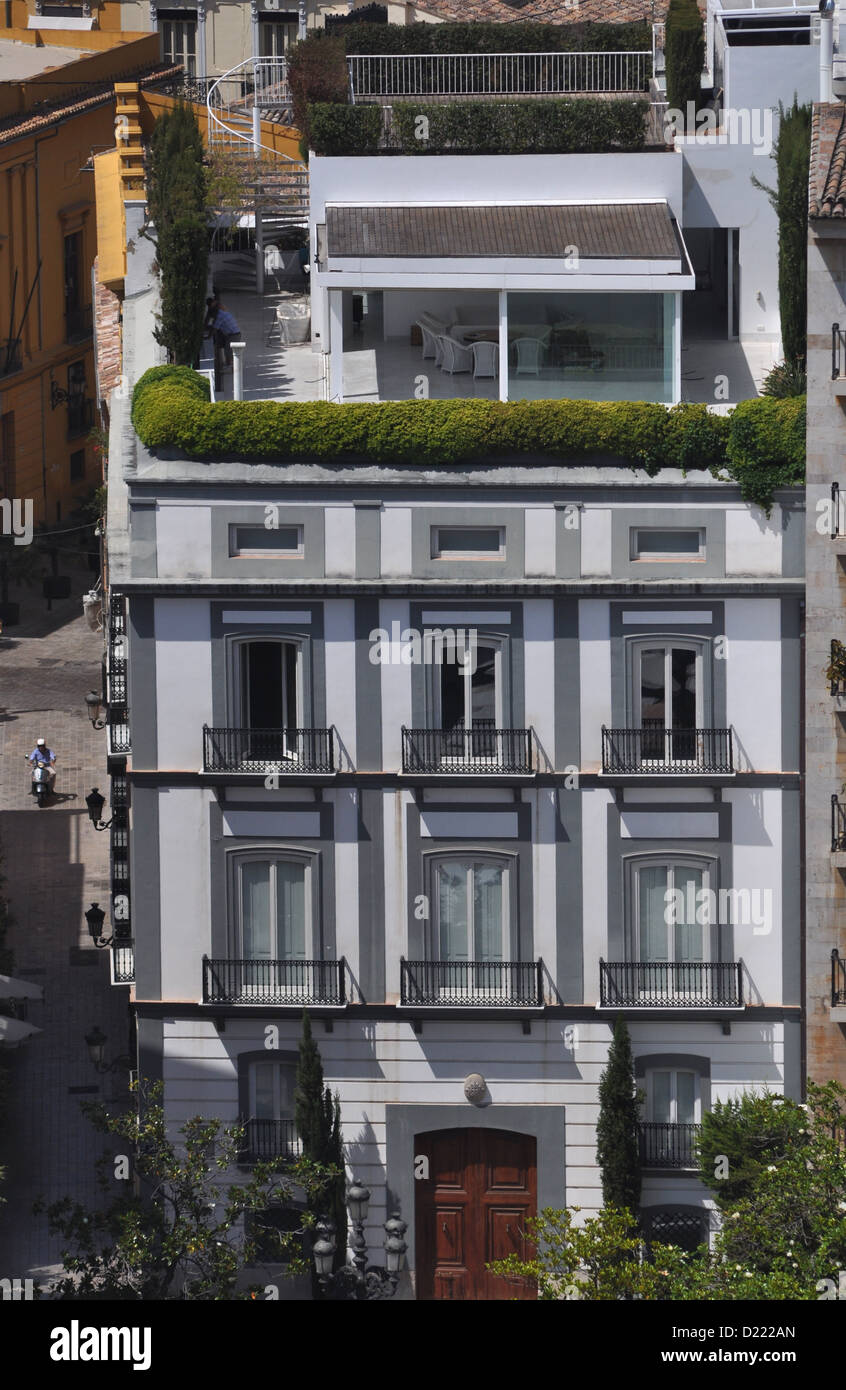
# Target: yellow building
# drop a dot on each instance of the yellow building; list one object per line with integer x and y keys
{"x": 50, "y": 125}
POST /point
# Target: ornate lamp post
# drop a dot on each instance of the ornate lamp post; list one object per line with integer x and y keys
{"x": 359, "y": 1280}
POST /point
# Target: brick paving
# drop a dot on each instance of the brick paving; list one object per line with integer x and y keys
{"x": 55, "y": 864}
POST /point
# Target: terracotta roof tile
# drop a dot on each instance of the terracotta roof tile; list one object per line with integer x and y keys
{"x": 46, "y": 114}
{"x": 546, "y": 11}
{"x": 827, "y": 175}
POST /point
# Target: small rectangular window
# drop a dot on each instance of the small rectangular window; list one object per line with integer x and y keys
{"x": 77, "y": 465}
{"x": 285, "y": 542}
{"x": 650, "y": 543}
{"x": 468, "y": 542}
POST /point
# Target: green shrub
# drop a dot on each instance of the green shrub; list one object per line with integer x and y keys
{"x": 766, "y": 446}
{"x": 341, "y": 130}
{"x": 761, "y": 445}
{"x": 518, "y": 127}
{"x": 482, "y": 37}
{"x": 684, "y": 55}
{"x": 785, "y": 379}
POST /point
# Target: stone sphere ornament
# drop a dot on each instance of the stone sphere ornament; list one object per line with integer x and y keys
{"x": 475, "y": 1088}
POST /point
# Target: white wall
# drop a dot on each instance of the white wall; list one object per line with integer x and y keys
{"x": 753, "y": 681}
{"x": 183, "y": 691}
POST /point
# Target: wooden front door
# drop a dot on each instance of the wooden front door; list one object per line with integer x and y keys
{"x": 472, "y": 1209}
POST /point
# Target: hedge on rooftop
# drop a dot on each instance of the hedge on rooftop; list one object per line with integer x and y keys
{"x": 550, "y": 126}
{"x": 492, "y": 37}
{"x": 760, "y": 445}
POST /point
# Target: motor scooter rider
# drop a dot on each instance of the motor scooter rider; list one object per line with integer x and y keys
{"x": 42, "y": 754}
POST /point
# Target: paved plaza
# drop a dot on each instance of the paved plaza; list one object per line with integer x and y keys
{"x": 55, "y": 864}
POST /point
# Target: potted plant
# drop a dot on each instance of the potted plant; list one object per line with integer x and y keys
{"x": 835, "y": 671}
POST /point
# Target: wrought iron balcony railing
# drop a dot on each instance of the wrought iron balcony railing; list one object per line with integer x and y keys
{"x": 838, "y": 346}
{"x": 266, "y": 1140}
{"x": 268, "y": 750}
{"x": 671, "y": 984}
{"x": 123, "y": 963}
{"x": 838, "y": 979}
{"x": 654, "y": 749}
{"x": 836, "y": 672}
{"x": 480, "y": 749}
{"x": 838, "y": 824}
{"x": 274, "y": 981}
{"x": 472, "y": 983}
{"x": 116, "y": 677}
{"x": 668, "y": 1145}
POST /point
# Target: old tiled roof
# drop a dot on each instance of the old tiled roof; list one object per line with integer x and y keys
{"x": 546, "y": 11}
{"x": 46, "y": 114}
{"x": 827, "y": 180}
{"x": 636, "y": 231}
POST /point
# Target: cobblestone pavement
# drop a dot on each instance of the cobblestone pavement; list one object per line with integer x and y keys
{"x": 55, "y": 864}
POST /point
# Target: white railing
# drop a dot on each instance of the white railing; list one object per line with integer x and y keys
{"x": 373, "y": 76}
{"x": 237, "y": 98}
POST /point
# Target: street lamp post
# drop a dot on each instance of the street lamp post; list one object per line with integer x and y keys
{"x": 359, "y": 1280}
{"x": 95, "y": 802}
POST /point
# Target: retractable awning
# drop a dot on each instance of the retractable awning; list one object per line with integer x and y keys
{"x": 10, "y": 988}
{"x": 14, "y": 1031}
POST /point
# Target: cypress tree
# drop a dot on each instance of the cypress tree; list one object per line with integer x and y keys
{"x": 789, "y": 199}
{"x": 617, "y": 1146}
{"x": 317, "y": 1116}
{"x": 177, "y": 183}
{"x": 684, "y": 54}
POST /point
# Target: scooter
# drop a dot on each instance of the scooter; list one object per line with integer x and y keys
{"x": 41, "y": 783}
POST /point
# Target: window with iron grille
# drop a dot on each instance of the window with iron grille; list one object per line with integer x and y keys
{"x": 686, "y": 1227}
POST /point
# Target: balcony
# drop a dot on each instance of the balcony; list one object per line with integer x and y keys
{"x": 838, "y": 827}
{"x": 268, "y": 1140}
{"x": 662, "y": 752}
{"x": 838, "y": 982}
{"x": 670, "y": 985}
{"x": 268, "y": 750}
{"x": 838, "y": 359}
{"x": 123, "y": 963}
{"x": 80, "y": 415}
{"x": 298, "y": 982}
{"x": 668, "y": 1145}
{"x": 480, "y": 749}
{"x": 473, "y": 984}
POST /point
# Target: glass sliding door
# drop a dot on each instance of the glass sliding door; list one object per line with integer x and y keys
{"x": 589, "y": 346}
{"x": 269, "y": 703}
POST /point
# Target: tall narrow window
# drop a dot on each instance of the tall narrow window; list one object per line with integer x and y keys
{"x": 672, "y": 920}
{"x": 470, "y": 703}
{"x": 179, "y": 38}
{"x": 269, "y": 685}
{"x": 270, "y": 1130}
{"x": 73, "y": 285}
{"x": 79, "y": 407}
{"x": 274, "y": 910}
{"x": 277, "y": 32}
{"x": 472, "y": 927}
{"x": 667, "y": 680}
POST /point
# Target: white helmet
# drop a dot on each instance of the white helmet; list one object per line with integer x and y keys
{"x": 40, "y": 743}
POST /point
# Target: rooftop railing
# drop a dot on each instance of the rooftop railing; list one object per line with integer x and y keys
{"x": 432, "y": 75}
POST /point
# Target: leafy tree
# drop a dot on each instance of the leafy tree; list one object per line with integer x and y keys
{"x": 177, "y": 183}
{"x": 684, "y": 52}
{"x": 739, "y": 1139}
{"x": 617, "y": 1131}
{"x": 19, "y": 564}
{"x": 792, "y": 155}
{"x": 176, "y": 1231}
{"x": 317, "y": 1116}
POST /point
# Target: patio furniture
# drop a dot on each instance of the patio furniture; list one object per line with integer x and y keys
{"x": 485, "y": 358}
{"x": 455, "y": 357}
{"x": 529, "y": 356}
{"x": 431, "y": 347}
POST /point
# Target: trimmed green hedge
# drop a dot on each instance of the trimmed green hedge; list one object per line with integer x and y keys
{"x": 552, "y": 126}
{"x": 761, "y": 445}
{"x": 483, "y": 37}
{"x": 684, "y": 55}
{"x": 344, "y": 130}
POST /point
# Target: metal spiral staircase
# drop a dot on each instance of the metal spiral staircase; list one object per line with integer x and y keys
{"x": 254, "y": 91}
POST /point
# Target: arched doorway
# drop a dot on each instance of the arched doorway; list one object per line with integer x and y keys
{"x": 471, "y": 1209}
